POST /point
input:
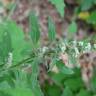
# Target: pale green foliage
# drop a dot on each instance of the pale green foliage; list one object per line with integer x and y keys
{"x": 34, "y": 28}
{"x": 51, "y": 30}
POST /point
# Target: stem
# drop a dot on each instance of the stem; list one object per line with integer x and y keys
{"x": 17, "y": 65}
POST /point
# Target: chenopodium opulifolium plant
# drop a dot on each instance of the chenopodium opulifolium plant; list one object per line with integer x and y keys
{"x": 71, "y": 50}
{"x": 75, "y": 48}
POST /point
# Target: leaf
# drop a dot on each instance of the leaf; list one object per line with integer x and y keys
{"x": 83, "y": 93}
{"x": 67, "y": 71}
{"x": 92, "y": 18}
{"x": 51, "y": 29}
{"x": 5, "y": 44}
{"x": 67, "y": 92}
{"x": 18, "y": 42}
{"x": 86, "y": 5}
{"x": 94, "y": 1}
{"x": 4, "y": 94}
{"x": 17, "y": 91}
{"x": 21, "y": 92}
{"x": 21, "y": 80}
{"x": 34, "y": 28}
{"x": 34, "y": 77}
{"x": 74, "y": 83}
{"x": 59, "y": 5}
{"x": 72, "y": 27}
{"x": 4, "y": 86}
{"x": 57, "y": 77}
{"x": 53, "y": 90}
{"x": 64, "y": 69}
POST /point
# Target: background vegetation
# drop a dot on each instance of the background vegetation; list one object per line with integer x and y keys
{"x": 32, "y": 65}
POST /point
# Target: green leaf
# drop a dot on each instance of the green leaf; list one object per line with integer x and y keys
{"x": 74, "y": 83}
{"x": 86, "y": 5}
{"x": 4, "y": 94}
{"x": 72, "y": 27}
{"x": 5, "y": 44}
{"x": 21, "y": 92}
{"x": 59, "y": 5}
{"x": 4, "y": 86}
{"x": 94, "y": 1}
{"x": 53, "y": 90}
{"x": 92, "y": 18}
{"x": 21, "y": 80}
{"x": 51, "y": 29}
{"x": 64, "y": 69}
{"x": 67, "y": 71}
{"x": 83, "y": 93}
{"x": 17, "y": 91}
{"x": 57, "y": 77}
{"x": 34, "y": 28}
{"x": 34, "y": 77}
{"x": 67, "y": 92}
{"x": 18, "y": 42}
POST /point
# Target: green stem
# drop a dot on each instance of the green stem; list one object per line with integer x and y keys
{"x": 17, "y": 65}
